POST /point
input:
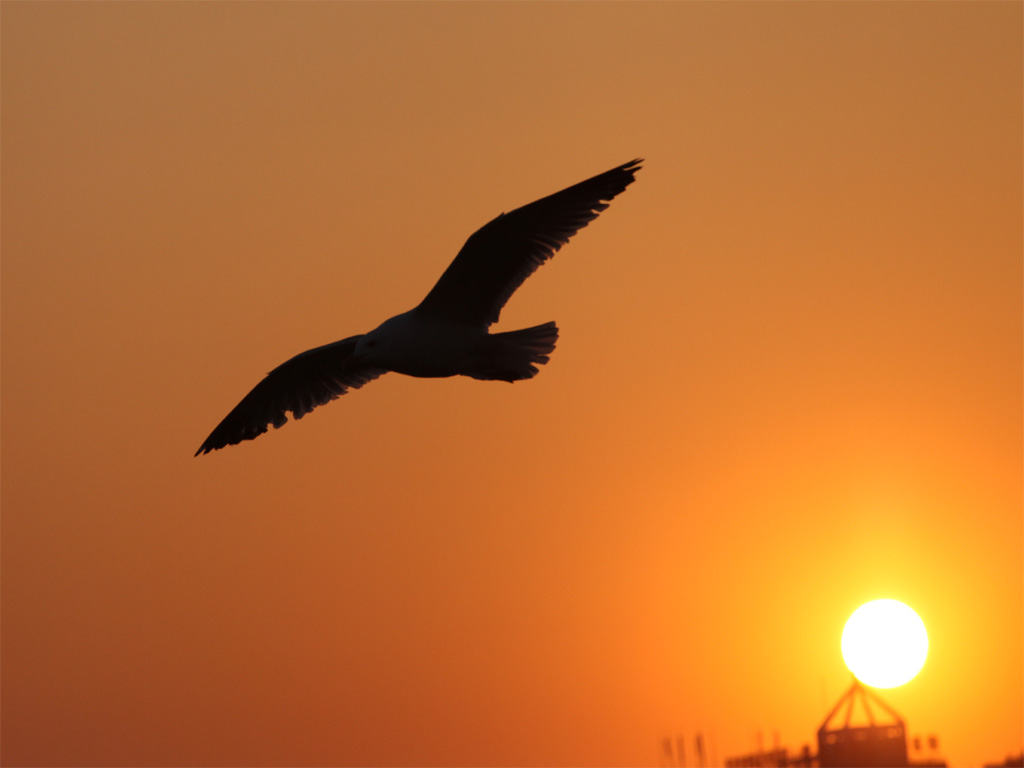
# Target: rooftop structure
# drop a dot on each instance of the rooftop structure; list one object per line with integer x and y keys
{"x": 878, "y": 743}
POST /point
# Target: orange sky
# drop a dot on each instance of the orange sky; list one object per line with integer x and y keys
{"x": 788, "y": 379}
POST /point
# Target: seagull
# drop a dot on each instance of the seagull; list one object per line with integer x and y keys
{"x": 446, "y": 334}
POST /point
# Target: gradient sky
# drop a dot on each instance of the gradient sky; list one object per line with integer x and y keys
{"x": 788, "y": 380}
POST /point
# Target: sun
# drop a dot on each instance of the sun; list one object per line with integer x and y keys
{"x": 884, "y": 643}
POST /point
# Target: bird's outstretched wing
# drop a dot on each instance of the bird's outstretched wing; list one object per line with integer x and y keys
{"x": 312, "y": 378}
{"x": 500, "y": 255}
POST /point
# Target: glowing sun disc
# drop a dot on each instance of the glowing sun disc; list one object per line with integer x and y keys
{"x": 884, "y": 643}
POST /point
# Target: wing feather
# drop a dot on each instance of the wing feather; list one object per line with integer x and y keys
{"x": 499, "y": 256}
{"x": 299, "y": 385}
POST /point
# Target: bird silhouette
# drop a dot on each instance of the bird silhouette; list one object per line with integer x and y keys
{"x": 446, "y": 334}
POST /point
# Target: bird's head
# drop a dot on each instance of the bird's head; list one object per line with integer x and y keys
{"x": 391, "y": 342}
{"x": 377, "y": 347}
{"x": 367, "y": 347}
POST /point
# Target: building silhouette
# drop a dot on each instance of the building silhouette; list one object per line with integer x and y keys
{"x": 871, "y": 745}
{"x": 881, "y": 742}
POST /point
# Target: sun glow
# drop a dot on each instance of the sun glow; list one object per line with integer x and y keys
{"x": 884, "y": 643}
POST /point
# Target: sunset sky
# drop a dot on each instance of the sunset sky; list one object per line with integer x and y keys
{"x": 788, "y": 381}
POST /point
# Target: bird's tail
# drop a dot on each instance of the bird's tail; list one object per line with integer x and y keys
{"x": 515, "y": 355}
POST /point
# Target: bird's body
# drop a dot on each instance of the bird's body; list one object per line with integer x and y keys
{"x": 447, "y": 333}
{"x": 419, "y": 344}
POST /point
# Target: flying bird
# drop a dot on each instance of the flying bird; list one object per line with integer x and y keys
{"x": 446, "y": 334}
